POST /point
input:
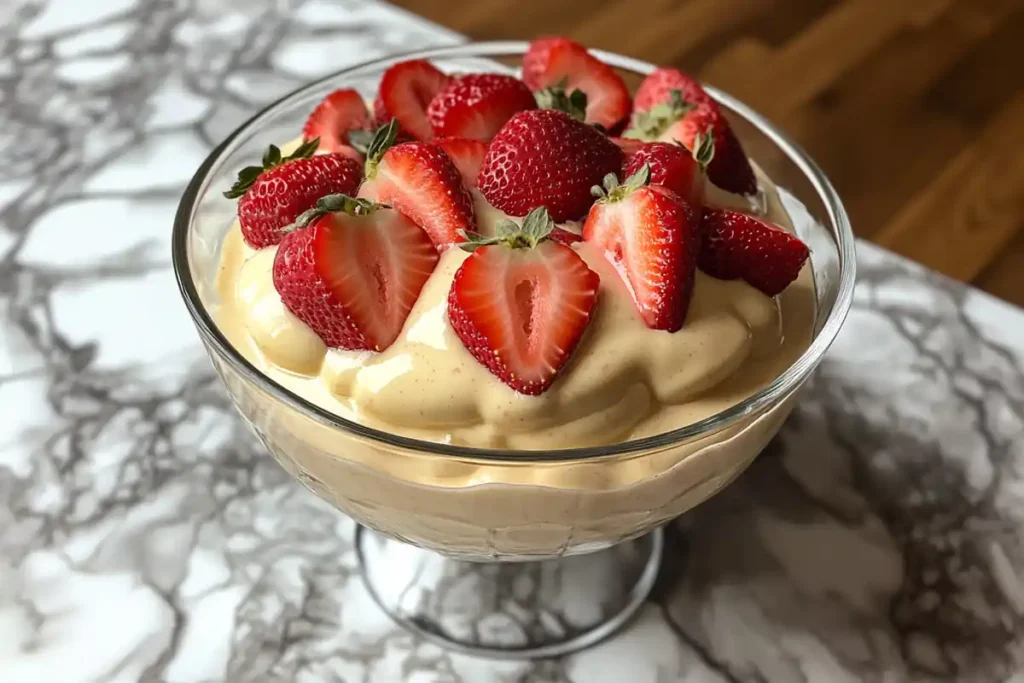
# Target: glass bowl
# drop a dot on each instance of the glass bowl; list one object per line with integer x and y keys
{"x": 435, "y": 517}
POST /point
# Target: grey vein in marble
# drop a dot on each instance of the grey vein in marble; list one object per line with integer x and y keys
{"x": 144, "y": 535}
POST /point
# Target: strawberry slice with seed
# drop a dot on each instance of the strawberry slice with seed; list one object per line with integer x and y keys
{"x": 406, "y": 90}
{"x": 680, "y": 120}
{"x": 339, "y": 114}
{"x": 566, "y": 65}
{"x": 739, "y": 246}
{"x": 521, "y": 302}
{"x": 354, "y": 274}
{"x": 477, "y": 105}
{"x": 418, "y": 179}
{"x": 466, "y": 154}
{"x": 651, "y": 236}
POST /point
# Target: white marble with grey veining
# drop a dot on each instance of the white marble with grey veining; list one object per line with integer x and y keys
{"x": 144, "y": 536}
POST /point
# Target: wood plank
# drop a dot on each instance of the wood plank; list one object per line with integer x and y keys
{"x": 1005, "y": 276}
{"x": 815, "y": 59}
{"x": 959, "y": 223}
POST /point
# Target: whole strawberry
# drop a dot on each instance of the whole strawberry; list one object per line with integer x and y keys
{"x": 651, "y": 236}
{"x": 675, "y": 167}
{"x": 276, "y": 192}
{"x": 680, "y": 120}
{"x": 352, "y": 270}
{"x": 546, "y": 158}
{"x": 521, "y": 302}
{"x": 477, "y": 105}
{"x": 740, "y": 246}
{"x": 421, "y": 181}
{"x": 657, "y": 89}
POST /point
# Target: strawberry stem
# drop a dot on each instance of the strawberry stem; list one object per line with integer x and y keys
{"x": 650, "y": 124}
{"x": 383, "y": 139}
{"x": 336, "y": 203}
{"x": 555, "y": 97}
{"x": 535, "y": 228}
{"x": 615, "y": 192}
{"x": 703, "y": 149}
{"x": 271, "y": 158}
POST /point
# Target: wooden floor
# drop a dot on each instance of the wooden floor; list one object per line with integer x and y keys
{"x": 915, "y": 108}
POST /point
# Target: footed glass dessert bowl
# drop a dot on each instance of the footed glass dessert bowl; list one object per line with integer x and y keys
{"x": 524, "y": 551}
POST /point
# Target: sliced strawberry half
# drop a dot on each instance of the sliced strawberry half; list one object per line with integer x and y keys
{"x": 675, "y": 167}
{"x": 651, "y": 236}
{"x": 337, "y": 115}
{"x": 421, "y": 181}
{"x": 272, "y": 195}
{"x": 740, "y": 246}
{"x": 478, "y": 105}
{"x": 683, "y": 121}
{"x": 566, "y": 65}
{"x": 657, "y": 89}
{"x": 354, "y": 273}
{"x": 467, "y": 156}
{"x": 406, "y": 90}
{"x": 521, "y": 302}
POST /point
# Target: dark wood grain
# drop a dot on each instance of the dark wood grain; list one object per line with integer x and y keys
{"x": 915, "y": 108}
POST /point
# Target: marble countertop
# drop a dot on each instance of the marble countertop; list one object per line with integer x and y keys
{"x": 145, "y": 536}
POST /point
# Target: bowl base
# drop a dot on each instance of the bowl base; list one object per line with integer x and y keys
{"x": 509, "y": 610}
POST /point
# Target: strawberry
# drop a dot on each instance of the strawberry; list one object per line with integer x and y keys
{"x": 739, "y": 246}
{"x": 354, "y": 273}
{"x": 405, "y": 91}
{"x": 563, "y": 236}
{"x": 658, "y": 86}
{"x": 276, "y": 192}
{"x": 467, "y": 156}
{"x": 521, "y": 302}
{"x": 419, "y": 180}
{"x": 675, "y": 167}
{"x": 546, "y": 158}
{"x": 680, "y": 120}
{"x": 478, "y": 105}
{"x": 338, "y": 114}
{"x": 651, "y": 236}
{"x": 565, "y": 65}
{"x": 628, "y": 145}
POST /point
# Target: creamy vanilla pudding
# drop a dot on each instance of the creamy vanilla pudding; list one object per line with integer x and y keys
{"x": 625, "y": 381}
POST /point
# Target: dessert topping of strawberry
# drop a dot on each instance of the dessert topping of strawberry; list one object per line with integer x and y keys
{"x": 651, "y": 237}
{"x": 477, "y": 105}
{"x": 406, "y": 90}
{"x": 335, "y": 118}
{"x": 657, "y": 89}
{"x": 739, "y": 246}
{"x": 419, "y": 180}
{"x": 466, "y": 154}
{"x": 682, "y": 120}
{"x": 354, "y": 273}
{"x": 273, "y": 194}
{"x": 558, "y": 96}
{"x": 521, "y": 302}
{"x": 554, "y": 61}
{"x": 546, "y": 158}
{"x": 674, "y": 166}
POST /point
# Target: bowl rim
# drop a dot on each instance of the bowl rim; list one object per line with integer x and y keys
{"x": 786, "y": 382}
